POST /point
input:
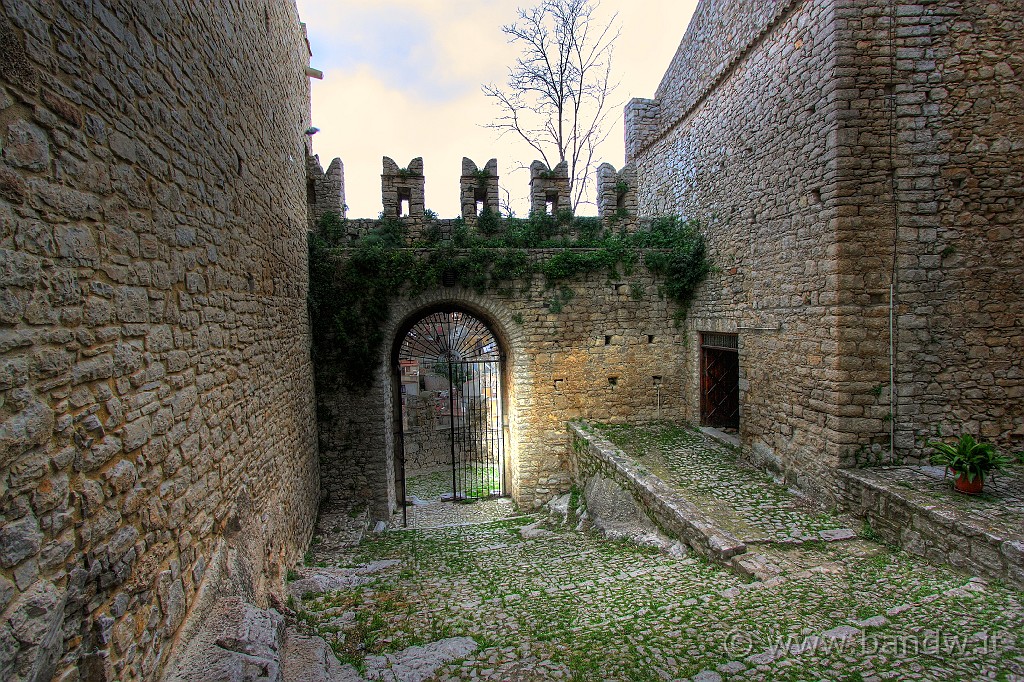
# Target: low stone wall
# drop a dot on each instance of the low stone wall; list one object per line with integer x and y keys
{"x": 590, "y": 456}
{"x": 938, "y": 532}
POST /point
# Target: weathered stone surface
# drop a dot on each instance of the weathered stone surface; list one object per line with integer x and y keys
{"x": 310, "y": 659}
{"x": 26, "y": 146}
{"x": 238, "y": 642}
{"x": 154, "y": 355}
{"x": 320, "y": 580}
{"x": 30, "y": 427}
{"x": 418, "y": 663}
{"x": 19, "y": 540}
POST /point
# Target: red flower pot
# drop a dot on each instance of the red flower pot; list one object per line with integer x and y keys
{"x": 961, "y": 484}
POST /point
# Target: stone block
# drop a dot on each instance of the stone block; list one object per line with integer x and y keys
{"x": 19, "y": 540}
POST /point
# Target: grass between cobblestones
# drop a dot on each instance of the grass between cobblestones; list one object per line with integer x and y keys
{"x": 571, "y": 605}
{"x": 742, "y": 500}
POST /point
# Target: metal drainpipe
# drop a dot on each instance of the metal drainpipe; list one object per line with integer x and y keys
{"x": 894, "y": 201}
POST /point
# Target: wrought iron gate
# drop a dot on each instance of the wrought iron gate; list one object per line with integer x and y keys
{"x": 719, "y": 380}
{"x": 452, "y": 362}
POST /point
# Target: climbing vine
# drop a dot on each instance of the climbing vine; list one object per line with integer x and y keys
{"x": 352, "y": 285}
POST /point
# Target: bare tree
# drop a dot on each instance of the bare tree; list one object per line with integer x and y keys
{"x": 558, "y": 90}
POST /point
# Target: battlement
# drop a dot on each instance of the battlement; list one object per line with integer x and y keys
{"x": 478, "y": 188}
{"x": 616, "y": 191}
{"x": 403, "y": 196}
{"x": 549, "y": 188}
{"x": 401, "y": 189}
{"x": 641, "y": 122}
{"x": 325, "y": 191}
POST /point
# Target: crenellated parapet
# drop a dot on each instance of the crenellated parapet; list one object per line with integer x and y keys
{"x": 549, "y": 188}
{"x": 325, "y": 191}
{"x": 478, "y": 188}
{"x": 402, "y": 189}
{"x": 616, "y": 191}
{"x": 402, "y": 193}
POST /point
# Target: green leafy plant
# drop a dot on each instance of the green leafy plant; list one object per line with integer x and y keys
{"x": 968, "y": 457}
{"x": 354, "y": 281}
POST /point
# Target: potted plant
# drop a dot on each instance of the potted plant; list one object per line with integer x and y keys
{"x": 969, "y": 460}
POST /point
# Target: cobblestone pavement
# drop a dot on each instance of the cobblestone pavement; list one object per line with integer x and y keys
{"x": 431, "y": 506}
{"x": 741, "y": 500}
{"x": 550, "y": 602}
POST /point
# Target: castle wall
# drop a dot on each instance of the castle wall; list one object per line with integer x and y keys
{"x": 749, "y": 158}
{"x": 562, "y": 349}
{"x": 935, "y": 102}
{"x": 781, "y": 126}
{"x": 156, "y": 402}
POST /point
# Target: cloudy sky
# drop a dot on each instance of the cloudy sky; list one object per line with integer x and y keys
{"x": 402, "y": 79}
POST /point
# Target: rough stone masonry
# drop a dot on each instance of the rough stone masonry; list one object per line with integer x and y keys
{"x": 156, "y": 396}
{"x": 858, "y": 164}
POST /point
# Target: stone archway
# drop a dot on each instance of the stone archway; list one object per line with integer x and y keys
{"x": 448, "y": 382}
{"x": 500, "y": 379}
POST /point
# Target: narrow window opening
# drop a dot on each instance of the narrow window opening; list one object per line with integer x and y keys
{"x": 650, "y": 338}
{"x": 620, "y": 202}
{"x": 404, "y": 202}
{"x": 551, "y": 203}
{"x": 480, "y": 197}
{"x": 607, "y": 340}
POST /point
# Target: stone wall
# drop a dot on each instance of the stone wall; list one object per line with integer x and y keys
{"x": 751, "y": 165}
{"x": 593, "y": 457}
{"x": 783, "y": 127}
{"x": 938, "y": 97}
{"x": 601, "y": 349}
{"x": 902, "y": 511}
{"x": 156, "y": 403}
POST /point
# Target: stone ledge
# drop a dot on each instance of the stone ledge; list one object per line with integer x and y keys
{"x": 928, "y": 527}
{"x": 667, "y": 507}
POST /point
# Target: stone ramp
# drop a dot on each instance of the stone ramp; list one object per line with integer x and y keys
{"x": 711, "y": 527}
{"x": 597, "y": 458}
{"x": 916, "y": 508}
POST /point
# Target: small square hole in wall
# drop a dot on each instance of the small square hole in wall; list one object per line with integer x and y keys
{"x": 620, "y": 289}
{"x": 656, "y": 379}
{"x": 607, "y": 340}
{"x": 558, "y": 384}
{"x": 613, "y": 381}
{"x": 650, "y": 338}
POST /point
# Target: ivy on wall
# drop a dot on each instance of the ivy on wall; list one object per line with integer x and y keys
{"x": 351, "y": 286}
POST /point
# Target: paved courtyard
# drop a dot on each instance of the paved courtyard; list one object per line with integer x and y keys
{"x": 541, "y": 600}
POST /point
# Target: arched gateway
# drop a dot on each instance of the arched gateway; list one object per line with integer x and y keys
{"x": 449, "y": 378}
